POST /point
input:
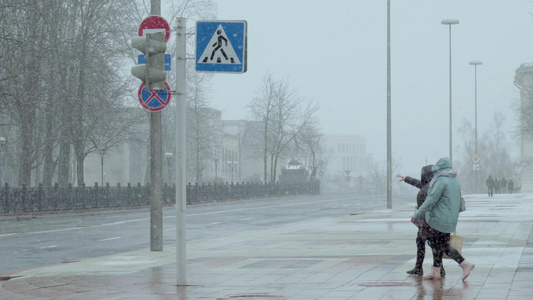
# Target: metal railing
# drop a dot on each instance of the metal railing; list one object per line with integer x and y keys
{"x": 56, "y": 198}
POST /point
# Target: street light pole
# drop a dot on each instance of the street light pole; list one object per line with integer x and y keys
{"x": 450, "y": 22}
{"x": 475, "y": 64}
{"x": 181, "y": 152}
{"x": 389, "y": 109}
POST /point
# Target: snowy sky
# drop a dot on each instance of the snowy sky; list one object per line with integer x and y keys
{"x": 334, "y": 51}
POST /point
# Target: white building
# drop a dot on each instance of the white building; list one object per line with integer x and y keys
{"x": 347, "y": 153}
{"x": 524, "y": 81}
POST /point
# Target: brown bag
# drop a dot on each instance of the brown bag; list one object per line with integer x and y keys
{"x": 456, "y": 241}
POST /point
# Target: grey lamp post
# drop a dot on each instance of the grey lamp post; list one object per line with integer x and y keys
{"x": 476, "y": 169}
{"x": 450, "y": 22}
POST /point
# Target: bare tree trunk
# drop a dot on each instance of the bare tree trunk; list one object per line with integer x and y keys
{"x": 265, "y": 153}
{"x": 28, "y": 109}
{"x": 63, "y": 161}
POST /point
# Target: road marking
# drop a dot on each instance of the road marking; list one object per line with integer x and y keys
{"x": 110, "y": 239}
{"x": 47, "y": 247}
{"x": 9, "y": 234}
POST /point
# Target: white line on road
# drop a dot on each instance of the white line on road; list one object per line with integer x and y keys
{"x": 110, "y": 239}
{"x": 8, "y": 234}
{"x": 47, "y": 247}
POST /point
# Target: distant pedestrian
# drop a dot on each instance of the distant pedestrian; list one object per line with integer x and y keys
{"x": 441, "y": 212}
{"x": 422, "y": 234}
{"x": 497, "y": 186}
{"x": 510, "y": 185}
{"x": 490, "y": 185}
{"x": 503, "y": 184}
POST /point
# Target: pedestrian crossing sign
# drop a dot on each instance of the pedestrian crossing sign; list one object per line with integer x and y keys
{"x": 221, "y": 46}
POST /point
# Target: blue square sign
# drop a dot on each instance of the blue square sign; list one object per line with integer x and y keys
{"x": 221, "y": 46}
{"x": 141, "y": 60}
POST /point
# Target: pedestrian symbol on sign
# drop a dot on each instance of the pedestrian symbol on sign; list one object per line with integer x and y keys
{"x": 219, "y": 49}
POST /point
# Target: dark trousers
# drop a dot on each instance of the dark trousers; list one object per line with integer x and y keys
{"x": 440, "y": 245}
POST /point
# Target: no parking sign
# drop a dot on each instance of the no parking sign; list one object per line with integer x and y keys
{"x": 154, "y": 100}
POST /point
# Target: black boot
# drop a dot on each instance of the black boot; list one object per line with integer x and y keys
{"x": 418, "y": 269}
{"x": 442, "y": 272}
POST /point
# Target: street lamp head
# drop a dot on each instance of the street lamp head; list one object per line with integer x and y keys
{"x": 449, "y": 22}
{"x": 475, "y": 63}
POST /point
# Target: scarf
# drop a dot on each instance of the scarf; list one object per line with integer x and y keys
{"x": 442, "y": 173}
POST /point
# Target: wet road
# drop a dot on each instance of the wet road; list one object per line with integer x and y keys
{"x": 32, "y": 241}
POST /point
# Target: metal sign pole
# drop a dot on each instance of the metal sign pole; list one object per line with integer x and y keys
{"x": 156, "y": 168}
{"x": 181, "y": 197}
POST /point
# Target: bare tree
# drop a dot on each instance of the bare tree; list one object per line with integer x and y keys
{"x": 309, "y": 142}
{"x": 284, "y": 115}
{"x": 63, "y": 82}
{"x": 57, "y": 57}
{"x": 262, "y": 109}
{"x": 203, "y": 129}
{"x": 493, "y": 151}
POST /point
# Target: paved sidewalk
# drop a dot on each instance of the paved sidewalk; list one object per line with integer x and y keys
{"x": 353, "y": 256}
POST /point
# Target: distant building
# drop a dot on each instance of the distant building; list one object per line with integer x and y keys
{"x": 524, "y": 81}
{"x": 230, "y": 151}
{"x": 346, "y": 153}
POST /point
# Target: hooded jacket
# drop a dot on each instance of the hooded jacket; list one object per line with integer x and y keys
{"x": 423, "y": 184}
{"x": 441, "y": 207}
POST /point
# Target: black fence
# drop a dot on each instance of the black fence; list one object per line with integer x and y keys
{"x": 56, "y": 198}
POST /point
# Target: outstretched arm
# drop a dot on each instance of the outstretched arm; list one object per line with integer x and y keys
{"x": 410, "y": 180}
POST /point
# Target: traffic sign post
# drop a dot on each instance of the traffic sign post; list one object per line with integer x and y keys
{"x": 221, "y": 46}
{"x": 154, "y": 100}
{"x": 154, "y": 32}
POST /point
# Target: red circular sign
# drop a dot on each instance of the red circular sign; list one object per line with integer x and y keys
{"x": 155, "y": 22}
{"x": 154, "y": 100}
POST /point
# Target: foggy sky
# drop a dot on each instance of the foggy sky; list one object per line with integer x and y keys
{"x": 334, "y": 52}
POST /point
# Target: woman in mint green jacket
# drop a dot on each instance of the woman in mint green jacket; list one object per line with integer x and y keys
{"x": 441, "y": 212}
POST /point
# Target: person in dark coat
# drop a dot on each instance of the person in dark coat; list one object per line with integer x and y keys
{"x": 421, "y": 237}
{"x": 490, "y": 185}
{"x": 510, "y": 185}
